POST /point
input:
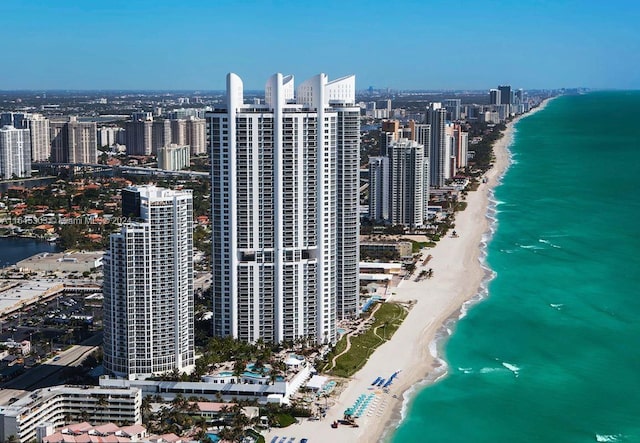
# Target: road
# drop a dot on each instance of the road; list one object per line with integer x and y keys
{"x": 202, "y": 281}
{"x": 50, "y": 372}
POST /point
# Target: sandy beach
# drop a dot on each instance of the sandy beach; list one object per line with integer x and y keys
{"x": 457, "y": 278}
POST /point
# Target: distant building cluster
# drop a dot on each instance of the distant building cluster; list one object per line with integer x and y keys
{"x": 413, "y": 159}
{"x": 146, "y": 135}
{"x": 426, "y": 152}
{"x": 28, "y": 138}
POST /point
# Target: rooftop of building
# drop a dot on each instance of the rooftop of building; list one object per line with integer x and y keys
{"x": 30, "y": 399}
{"x": 57, "y": 257}
{"x": 106, "y": 433}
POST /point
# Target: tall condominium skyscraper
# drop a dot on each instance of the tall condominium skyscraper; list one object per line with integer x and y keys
{"x": 389, "y": 133}
{"x": 285, "y": 209}
{"x": 7, "y": 119}
{"x": 73, "y": 141}
{"x": 38, "y": 127}
{"x": 379, "y": 188}
{"x": 179, "y": 131}
{"x": 190, "y": 131}
{"x": 196, "y": 135}
{"x": 461, "y": 149}
{"x": 438, "y": 158}
{"x": 453, "y": 105}
{"x": 505, "y": 94}
{"x": 421, "y": 133}
{"x": 495, "y": 97}
{"x": 110, "y": 135}
{"x": 15, "y": 152}
{"x": 407, "y": 184}
{"x": 160, "y": 135}
{"x": 139, "y": 135}
{"x": 148, "y": 285}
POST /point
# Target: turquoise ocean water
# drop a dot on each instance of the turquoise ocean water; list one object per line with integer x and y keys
{"x": 553, "y": 353}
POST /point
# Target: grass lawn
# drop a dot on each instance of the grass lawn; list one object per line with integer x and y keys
{"x": 387, "y": 320}
{"x": 285, "y": 420}
{"x": 416, "y": 246}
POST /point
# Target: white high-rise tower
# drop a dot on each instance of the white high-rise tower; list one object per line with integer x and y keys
{"x": 285, "y": 210}
{"x": 148, "y": 285}
{"x": 15, "y": 152}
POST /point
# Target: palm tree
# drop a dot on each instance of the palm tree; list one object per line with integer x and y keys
{"x": 178, "y": 402}
{"x": 146, "y": 409}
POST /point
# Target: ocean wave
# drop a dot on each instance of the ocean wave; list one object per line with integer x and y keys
{"x": 441, "y": 369}
{"x": 447, "y": 328}
{"x": 532, "y": 247}
{"x": 512, "y": 368}
{"x": 547, "y": 242}
{"x": 608, "y": 437}
{"x": 557, "y": 306}
{"x": 491, "y": 370}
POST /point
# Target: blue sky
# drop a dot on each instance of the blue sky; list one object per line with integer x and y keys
{"x": 421, "y": 44}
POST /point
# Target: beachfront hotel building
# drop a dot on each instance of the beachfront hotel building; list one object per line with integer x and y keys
{"x": 379, "y": 188}
{"x": 439, "y": 155}
{"x": 408, "y": 166}
{"x": 505, "y": 94}
{"x": 495, "y": 97}
{"x": 15, "y": 153}
{"x": 285, "y": 191}
{"x": 148, "y": 285}
{"x": 461, "y": 146}
{"x": 36, "y": 414}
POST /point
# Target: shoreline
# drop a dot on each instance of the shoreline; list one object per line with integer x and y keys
{"x": 440, "y": 367}
{"x": 460, "y": 280}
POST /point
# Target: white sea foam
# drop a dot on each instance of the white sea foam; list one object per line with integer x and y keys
{"x": 557, "y": 306}
{"x": 532, "y": 247}
{"x": 547, "y": 242}
{"x": 491, "y": 370}
{"x": 608, "y": 437}
{"x": 447, "y": 329}
{"x": 435, "y": 375}
{"x": 512, "y": 368}
{"x": 466, "y": 370}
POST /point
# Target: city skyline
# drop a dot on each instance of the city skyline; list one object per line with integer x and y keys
{"x": 142, "y": 45}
